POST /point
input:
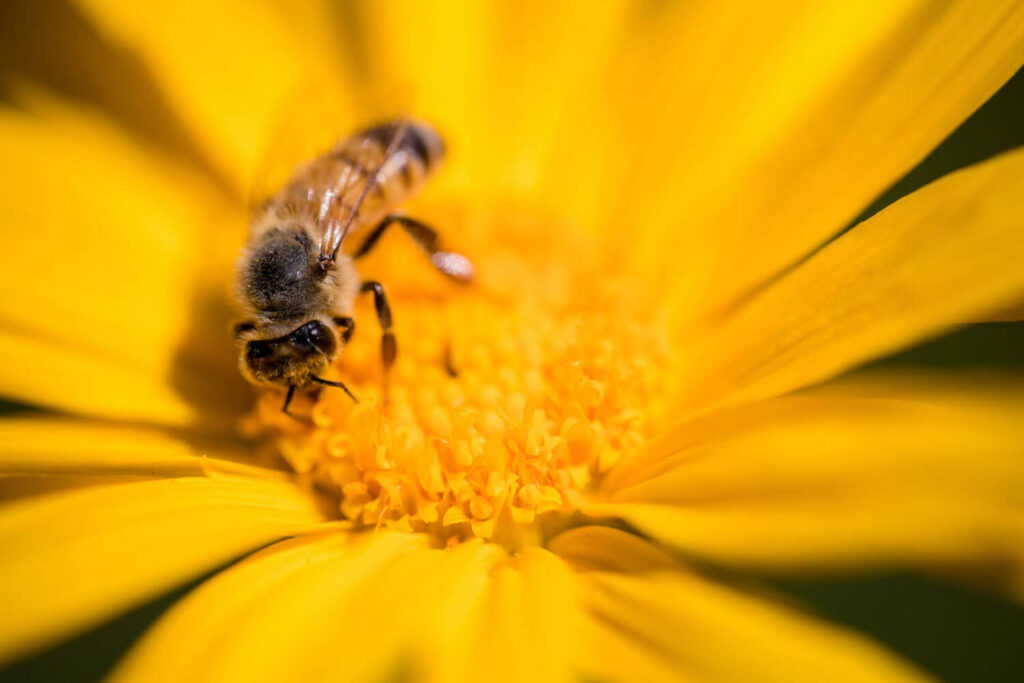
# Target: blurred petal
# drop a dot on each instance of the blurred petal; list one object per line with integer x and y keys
{"x": 73, "y": 559}
{"x": 436, "y": 59}
{"x": 256, "y": 617}
{"x": 1014, "y": 313}
{"x": 531, "y": 621}
{"x": 784, "y": 121}
{"x": 46, "y": 454}
{"x": 882, "y": 472}
{"x": 230, "y": 67}
{"x": 353, "y": 608}
{"x": 502, "y": 81}
{"x": 51, "y": 43}
{"x": 53, "y": 445}
{"x": 705, "y": 631}
{"x": 949, "y": 252}
{"x": 114, "y": 295}
{"x": 363, "y": 607}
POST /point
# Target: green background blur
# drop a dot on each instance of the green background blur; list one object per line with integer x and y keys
{"x": 955, "y": 632}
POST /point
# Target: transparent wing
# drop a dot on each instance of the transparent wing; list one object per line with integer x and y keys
{"x": 308, "y": 124}
{"x": 313, "y": 119}
{"x": 360, "y": 160}
{"x": 312, "y": 163}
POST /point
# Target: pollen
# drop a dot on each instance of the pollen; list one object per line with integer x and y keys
{"x": 510, "y": 399}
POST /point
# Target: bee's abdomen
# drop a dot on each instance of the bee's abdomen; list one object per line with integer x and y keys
{"x": 420, "y": 143}
{"x": 360, "y": 159}
{"x": 415, "y": 158}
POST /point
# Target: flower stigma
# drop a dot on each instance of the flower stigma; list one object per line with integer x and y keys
{"x": 510, "y": 399}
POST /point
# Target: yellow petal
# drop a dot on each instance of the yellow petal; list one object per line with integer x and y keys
{"x": 229, "y": 67}
{"x": 531, "y": 621}
{"x": 673, "y": 624}
{"x": 261, "y": 616}
{"x": 617, "y": 657}
{"x": 1012, "y": 313}
{"x": 331, "y": 608}
{"x": 947, "y": 253}
{"x": 62, "y": 446}
{"x": 436, "y": 59}
{"x": 759, "y": 157}
{"x": 114, "y": 294}
{"x": 73, "y": 559}
{"x": 53, "y": 44}
{"x": 598, "y": 548}
{"x": 504, "y": 85}
{"x": 875, "y": 473}
{"x": 46, "y": 454}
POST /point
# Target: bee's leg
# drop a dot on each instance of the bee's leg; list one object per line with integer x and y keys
{"x": 449, "y": 365}
{"x": 347, "y": 326}
{"x": 243, "y": 327}
{"x": 288, "y": 401}
{"x": 340, "y": 385}
{"x": 388, "y": 347}
{"x": 452, "y": 264}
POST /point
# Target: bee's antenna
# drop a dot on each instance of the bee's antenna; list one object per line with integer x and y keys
{"x": 403, "y": 127}
{"x": 340, "y": 385}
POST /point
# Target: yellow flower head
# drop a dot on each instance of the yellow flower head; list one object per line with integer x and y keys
{"x": 510, "y": 398}
{"x": 641, "y": 384}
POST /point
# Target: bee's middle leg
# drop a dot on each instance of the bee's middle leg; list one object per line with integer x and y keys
{"x": 388, "y": 346}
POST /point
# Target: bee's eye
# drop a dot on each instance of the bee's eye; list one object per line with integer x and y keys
{"x": 315, "y": 334}
{"x": 257, "y": 350}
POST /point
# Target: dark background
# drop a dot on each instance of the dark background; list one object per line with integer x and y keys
{"x": 955, "y": 632}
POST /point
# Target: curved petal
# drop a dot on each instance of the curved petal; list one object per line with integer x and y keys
{"x": 231, "y": 67}
{"x": 674, "y": 625}
{"x": 787, "y": 120}
{"x": 947, "y": 253}
{"x": 260, "y": 616}
{"x": 878, "y": 472}
{"x": 116, "y": 261}
{"x": 360, "y": 607}
{"x": 351, "y": 607}
{"x": 73, "y": 559}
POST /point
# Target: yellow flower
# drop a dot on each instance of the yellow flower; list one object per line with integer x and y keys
{"x": 640, "y": 185}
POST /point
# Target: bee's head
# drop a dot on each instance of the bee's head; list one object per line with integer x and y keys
{"x": 291, "y": 360}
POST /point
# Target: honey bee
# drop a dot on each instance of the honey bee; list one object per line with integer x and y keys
{"x": 294, "y": 281}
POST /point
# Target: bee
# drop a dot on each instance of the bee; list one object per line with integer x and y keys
{"x": 294, "y": 281}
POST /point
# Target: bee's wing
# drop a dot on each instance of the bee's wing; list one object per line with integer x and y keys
{"x": 310, "y": 121}
{"x": 306, "y": 126}
{"x": 357, "y": 175}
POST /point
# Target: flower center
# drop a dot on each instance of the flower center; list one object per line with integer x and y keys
{"x": 510, "y": 397}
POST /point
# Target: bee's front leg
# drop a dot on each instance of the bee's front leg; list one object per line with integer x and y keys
{"x": 347, "y": 326}
{"x": 288, "y": 401}
{"x": 243, "y": 327}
